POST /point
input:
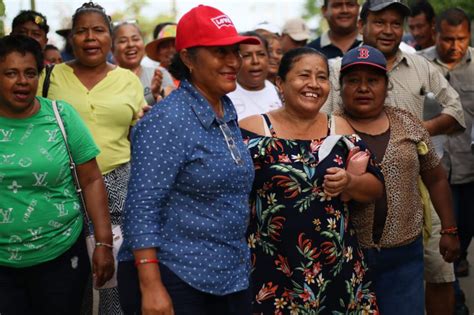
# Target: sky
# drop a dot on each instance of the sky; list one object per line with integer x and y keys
{"x": 244, "y": 13}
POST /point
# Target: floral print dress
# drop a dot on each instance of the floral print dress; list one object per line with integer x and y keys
{"x": 305, "y": 254}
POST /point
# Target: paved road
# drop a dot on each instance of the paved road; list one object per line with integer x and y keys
{"x": 467, "y": 283}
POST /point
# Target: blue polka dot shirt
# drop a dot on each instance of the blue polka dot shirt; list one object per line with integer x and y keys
{"x": 187, "y": 197}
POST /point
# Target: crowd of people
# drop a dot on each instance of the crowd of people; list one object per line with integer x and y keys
{"x": 219, "y": 172}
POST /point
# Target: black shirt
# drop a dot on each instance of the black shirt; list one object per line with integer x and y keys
{"x": 328, "y": 49}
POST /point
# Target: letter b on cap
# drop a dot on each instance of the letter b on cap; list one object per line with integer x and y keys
{"x": 363, "y": 53}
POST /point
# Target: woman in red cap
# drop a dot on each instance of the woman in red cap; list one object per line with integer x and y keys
{"x": 187, "y": 206}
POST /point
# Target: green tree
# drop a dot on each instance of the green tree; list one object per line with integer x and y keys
{"x": 440, "y": 5}
{"x": 2, "y": 16}
{"x": 312, "y": 8}
{"x": 133, "y": 11}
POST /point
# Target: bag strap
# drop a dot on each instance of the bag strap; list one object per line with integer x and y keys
{"x": 72, "y": 165}
{"x": 47, "y": 80}
{"x": 329, "y": 143}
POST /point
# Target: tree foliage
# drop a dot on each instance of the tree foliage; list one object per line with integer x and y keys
{"x": 133, "y": 11}
{"x": 2, "y": 16}
{"x": 313, "y": 7}
{"x": 440, "y": 5}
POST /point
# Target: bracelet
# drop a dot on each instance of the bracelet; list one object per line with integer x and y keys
{"x": 449, "y": 231}
{"x": 97, "y": 244}
{"x": 146, "y": 261}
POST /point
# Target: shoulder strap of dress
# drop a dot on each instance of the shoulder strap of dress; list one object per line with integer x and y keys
{"x": 269, "y": 125}
{"x": 265, "y": 127}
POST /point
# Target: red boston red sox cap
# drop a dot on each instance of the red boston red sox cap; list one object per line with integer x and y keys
{"x": 207, "y": 26}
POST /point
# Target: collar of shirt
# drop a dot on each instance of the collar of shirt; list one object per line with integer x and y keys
{"x": 203, "y": 109}
{"x": 399, "y": 58}
{"x": 432, "y": 55}
{"x": 326, "y": 40}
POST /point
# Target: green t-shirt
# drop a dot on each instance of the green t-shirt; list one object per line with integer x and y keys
{"x": 40, "y": 214}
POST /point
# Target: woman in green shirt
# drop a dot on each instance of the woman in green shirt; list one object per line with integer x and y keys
{"x": 43, "y": 259}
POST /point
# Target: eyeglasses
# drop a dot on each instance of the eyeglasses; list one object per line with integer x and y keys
{"x": 229, "y": 139}
{"x": 119, "y": 23}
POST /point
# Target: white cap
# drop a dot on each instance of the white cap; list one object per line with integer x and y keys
{"x": 267, "y": 26}
{"x": 297, "y": 29}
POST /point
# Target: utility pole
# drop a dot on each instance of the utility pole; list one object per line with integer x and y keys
{"x": 33, "y": 5}
{"x": 174, "y": 10}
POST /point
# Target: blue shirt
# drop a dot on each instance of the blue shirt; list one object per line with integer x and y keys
{"x": 187, "y": 196}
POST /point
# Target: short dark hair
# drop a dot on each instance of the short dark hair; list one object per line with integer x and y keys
{"x": 293, "y": 56}
{"x": 425, "y": 7}
{"x": 31, "y": 16}
{"x": 50, "y": 47}
{"x": 23, "y": 45}
{"x": 262, "y": 39}
{"x": 326, "y": 3}
{"x": 454, "y": 17}
{"x": 91, "y": 7}
{"x": 177, "y": 67}
{"x": 364, "y": 11}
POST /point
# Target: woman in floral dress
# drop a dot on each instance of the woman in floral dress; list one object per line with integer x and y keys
{"x": 305, "y": 254}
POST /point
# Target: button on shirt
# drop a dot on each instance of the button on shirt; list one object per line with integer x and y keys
{"x": 187, "y": 196}
{"x": 461, "y": 77}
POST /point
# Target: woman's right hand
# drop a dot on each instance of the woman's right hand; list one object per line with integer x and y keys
{"x": 156, "y": 300}
{"x": 449, "y": 247}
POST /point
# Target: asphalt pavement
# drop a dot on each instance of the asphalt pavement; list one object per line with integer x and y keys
{"x": 467, "y": 283}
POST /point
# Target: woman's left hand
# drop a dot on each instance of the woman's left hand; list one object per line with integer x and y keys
{"x": 143, "y": 111}
{"x": 103, "y": 265}
{"x": 336, "y": 181}
{"x": 449, "y": 247}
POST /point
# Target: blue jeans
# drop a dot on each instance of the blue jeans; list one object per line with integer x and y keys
{"x": 186, "y": 299}
{"x": 398, "y": 277}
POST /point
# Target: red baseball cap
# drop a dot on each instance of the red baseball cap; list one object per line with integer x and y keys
{"x": 207, "y": 26}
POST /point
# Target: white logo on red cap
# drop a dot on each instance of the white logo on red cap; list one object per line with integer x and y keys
{"x": 363, "y": 53}
{"x": 222, "y": 21}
